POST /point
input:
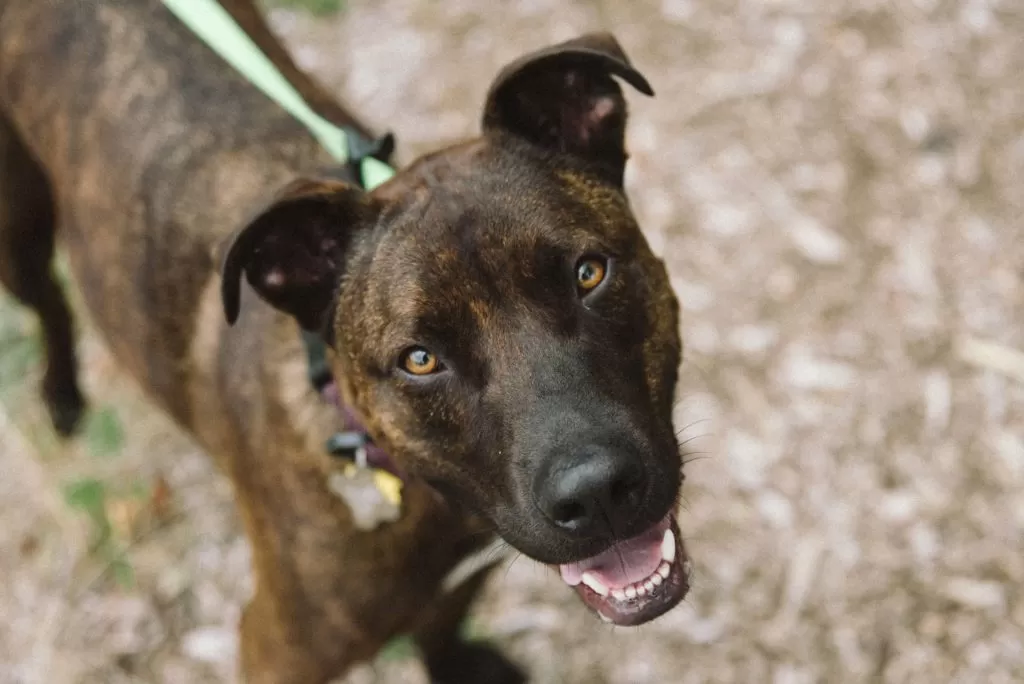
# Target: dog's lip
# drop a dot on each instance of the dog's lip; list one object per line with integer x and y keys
{"x": 636, "y": 580}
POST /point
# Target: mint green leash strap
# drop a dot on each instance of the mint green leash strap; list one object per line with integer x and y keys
{"x": 212, "y": 23}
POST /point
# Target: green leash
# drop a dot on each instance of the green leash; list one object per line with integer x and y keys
{"x": 214, "y": 26}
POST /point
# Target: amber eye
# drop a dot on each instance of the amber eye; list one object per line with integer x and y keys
{"x": 590, "y": 273}
{"x": 419, "y": 361}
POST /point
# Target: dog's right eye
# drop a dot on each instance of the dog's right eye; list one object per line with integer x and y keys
{"x": 419, "y": 361}
{"x": 591, "y": 271}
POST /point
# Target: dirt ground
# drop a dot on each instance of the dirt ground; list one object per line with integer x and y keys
{"x": 838, "y": 189}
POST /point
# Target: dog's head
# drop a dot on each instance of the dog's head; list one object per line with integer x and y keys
{"x": 503, "y": 327}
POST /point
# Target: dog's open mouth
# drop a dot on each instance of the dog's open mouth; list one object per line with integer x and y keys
{"x": 636, "y": 580}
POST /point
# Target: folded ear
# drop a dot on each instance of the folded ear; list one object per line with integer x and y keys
{"x": 293, "y": 250}
{"x": 564, "y": 98}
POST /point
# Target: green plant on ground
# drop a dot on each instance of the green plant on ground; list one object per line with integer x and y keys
{"x": 19, "y": 345}
{"x": 90, "y": 496}
{"x": 103, "y": 433}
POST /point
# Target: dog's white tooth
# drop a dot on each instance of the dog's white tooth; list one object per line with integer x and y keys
{"x": 604, "y": 618}
{"x": 687, "y": 566}
{"x": 641, "y": 590}
{"x": 664, "y": 570}
{"x": 649, "y": 585}
{"x": 668, "y": 546}
{"x": 618, "y": 595}
{"x": 631, "y": 592}
{"x": 656, "y": 579}
{"x": 591, "y": 581}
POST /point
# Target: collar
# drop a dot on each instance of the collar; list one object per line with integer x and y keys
{"x": 352, "y": 442}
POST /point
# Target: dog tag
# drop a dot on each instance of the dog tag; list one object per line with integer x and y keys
{"x": 374, "y": 496}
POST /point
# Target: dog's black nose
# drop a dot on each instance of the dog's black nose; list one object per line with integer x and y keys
{"x": 596, "y": 493}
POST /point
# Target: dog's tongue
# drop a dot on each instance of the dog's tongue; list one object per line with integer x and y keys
{"x": 624, "y": 563}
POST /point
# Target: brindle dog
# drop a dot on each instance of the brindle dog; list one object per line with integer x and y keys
{"x": 496, "y": 320}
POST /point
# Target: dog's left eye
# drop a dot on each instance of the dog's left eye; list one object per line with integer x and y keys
{"x": 419, "y": 361}
{"x": 590, "y": 272}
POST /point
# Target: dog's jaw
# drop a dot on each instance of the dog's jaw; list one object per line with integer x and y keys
{"x": 636, "y": 580}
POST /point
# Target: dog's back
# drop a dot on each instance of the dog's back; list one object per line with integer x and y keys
{"x": 154, "y": 149}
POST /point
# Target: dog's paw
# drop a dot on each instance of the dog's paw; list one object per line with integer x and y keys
{"x": 474, "y": 664}
{"x": 66, "y": 407}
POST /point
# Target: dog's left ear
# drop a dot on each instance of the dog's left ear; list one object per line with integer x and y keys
{"x": 564, "y": 98}
{"x": 293, "y": 251}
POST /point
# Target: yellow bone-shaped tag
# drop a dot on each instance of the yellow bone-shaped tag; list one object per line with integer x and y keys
{"x": 373, "y": 496}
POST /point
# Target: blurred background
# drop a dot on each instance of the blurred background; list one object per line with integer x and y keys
{"x": 838, "y": 190}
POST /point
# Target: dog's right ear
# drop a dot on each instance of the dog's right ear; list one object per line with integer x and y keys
{"x": 293, "y": 250}
{"x": 563, "y": 98}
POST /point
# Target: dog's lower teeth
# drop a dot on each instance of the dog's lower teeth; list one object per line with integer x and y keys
{"x": 644, "y": 587}
{"x": 668, "y": 546}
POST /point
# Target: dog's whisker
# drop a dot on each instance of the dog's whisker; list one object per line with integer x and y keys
{"x": 498, "y": 551}
{"x": 690, "y": 439}
{"x": 693, "y": 424}
{"x": 508, "y": 567}
{"x": 693, "y": 456}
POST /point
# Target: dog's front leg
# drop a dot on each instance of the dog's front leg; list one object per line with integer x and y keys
{"x": 329, "y": 594}
{"x": 298, "y": 628}
{"x": 449, "y": 658}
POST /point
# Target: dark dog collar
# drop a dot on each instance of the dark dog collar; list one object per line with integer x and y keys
{"x": 352, "y": 442}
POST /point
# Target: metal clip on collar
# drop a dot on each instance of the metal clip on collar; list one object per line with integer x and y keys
{"x": 350, "y": 445}
{"x": 359, "y": 148}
